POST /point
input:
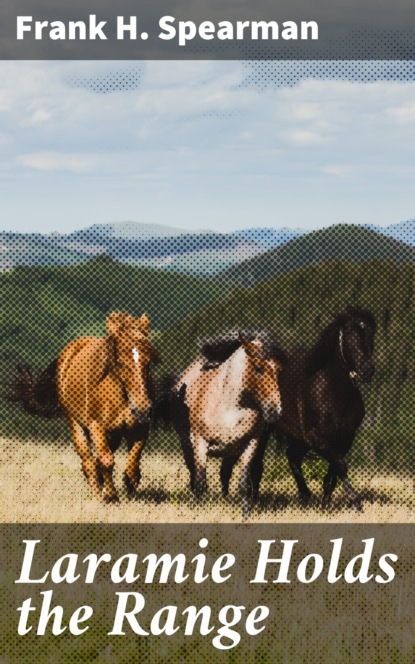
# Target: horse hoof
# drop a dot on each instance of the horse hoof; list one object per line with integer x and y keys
{"x": 246, "y": 511}
{"x": 200, "y": 491}
{"x": 96, "y": 493}
{"x": 358, "y": 505}
{"x": 325, "y": 504}
{"x": 305, "y": 498}
{"x": 130, "y": 486}
{"x": 110, "y": 499}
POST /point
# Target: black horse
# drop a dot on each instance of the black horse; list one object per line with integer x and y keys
{"x": 322, "y": 406}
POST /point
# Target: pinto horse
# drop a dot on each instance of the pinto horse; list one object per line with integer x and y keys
{"x": 322, "y": 406}
{"x": 103, "y": 387}
{"x": 221, "y": 402}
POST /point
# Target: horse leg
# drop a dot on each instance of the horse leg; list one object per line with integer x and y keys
{"x": 200, "y": 451}
{"x": 187, "y": 450}
{"x": 245, "y": 486}
{"x": 132, "y": 473}
{"x": 329, "y": 484}
{"x": 181, "y": 421}
{"x": 105, "y": 460}
{"x": 226, "y": 469}
{"x": 136, "y": 439}
{"x": 338, "y": 468}
{"x": 113, "y": 441}
{"x": 295, "y": 453}
{"x": 257, "y": 467}
{"x": 353, "y": 495}
{"x": 89, "y": 464}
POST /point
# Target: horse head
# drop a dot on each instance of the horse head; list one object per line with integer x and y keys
{"x": 131, "y": 352}
{"x": 261, "y": 375}
{"x": 356, "y": 332}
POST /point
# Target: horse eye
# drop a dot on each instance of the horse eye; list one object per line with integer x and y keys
{"x": 258, "y": 370}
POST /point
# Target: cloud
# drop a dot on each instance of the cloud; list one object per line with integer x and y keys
{"x": 339, "y": 170}
{"x": 404, "y": 114}
{"x": 304, "y": 137}
{"x": 191, "y": 142}
{"x": 53, "y": 161}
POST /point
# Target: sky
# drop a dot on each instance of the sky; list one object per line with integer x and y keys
{"x": 203, "y": 144}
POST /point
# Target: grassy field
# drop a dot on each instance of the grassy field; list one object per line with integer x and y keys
{"x": 43, "y": 483}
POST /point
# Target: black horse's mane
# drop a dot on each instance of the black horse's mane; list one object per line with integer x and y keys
{"x": 327, "y": 343}
{"x": 217, "y": 349}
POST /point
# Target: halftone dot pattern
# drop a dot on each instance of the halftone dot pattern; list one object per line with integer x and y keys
{"x": 115, "y": 80}
{"x": 95, "y": 430}
{"x": 357, "y": 45}
{"x": 60, "y": 290}
{"x": 328, "y": 616}
{"x": 266, "y": 74}
{"x": 79, "y": 342}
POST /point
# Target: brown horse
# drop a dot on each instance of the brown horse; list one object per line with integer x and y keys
{"x": 103, "y": 387}
{"x": 221, "y": 402}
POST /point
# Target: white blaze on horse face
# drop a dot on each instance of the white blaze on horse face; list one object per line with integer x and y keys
{"x": 341, "y": 343}
{"x": 136, "y": 355}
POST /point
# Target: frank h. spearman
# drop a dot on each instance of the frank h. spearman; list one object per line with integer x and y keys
{"x": 127, "y": 28}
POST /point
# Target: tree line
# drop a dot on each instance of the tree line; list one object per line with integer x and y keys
{"x": 38, "y": 318}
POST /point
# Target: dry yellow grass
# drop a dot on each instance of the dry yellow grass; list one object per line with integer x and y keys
{"x": 43, "y": 483}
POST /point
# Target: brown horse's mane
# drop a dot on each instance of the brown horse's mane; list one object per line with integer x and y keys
{"x": 111, "y": 360}
{"x": 328, "y": 341}
{"x": 219, "y": 348}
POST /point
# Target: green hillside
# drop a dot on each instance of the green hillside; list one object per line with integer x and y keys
{"x": 298, "y": 305}
{"x": 334, "y": 243}
{"x": 42, "y": 308}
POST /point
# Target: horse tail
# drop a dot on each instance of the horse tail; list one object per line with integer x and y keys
{"x": 165, "y": 395}
{"x": 38, "y": 394}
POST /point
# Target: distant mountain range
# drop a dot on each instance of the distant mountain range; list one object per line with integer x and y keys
{"x": 355, "y": 243}
{"x": 203, "y": 252}
{"x": 405, "y": 231}
{"x": 198, "y": 253}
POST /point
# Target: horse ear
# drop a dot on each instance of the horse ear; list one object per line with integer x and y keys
{"x": 249, "y": 347}
{"x": 115, "y": 322}
{"x": 144, "y": 324}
